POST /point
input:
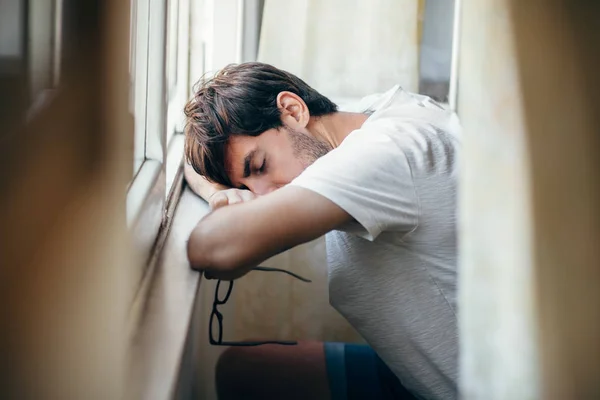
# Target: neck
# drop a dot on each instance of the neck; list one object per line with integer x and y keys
{"x": 334, "y": 128}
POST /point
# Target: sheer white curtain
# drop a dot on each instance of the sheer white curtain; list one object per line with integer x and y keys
{"x": 344, "y": 48}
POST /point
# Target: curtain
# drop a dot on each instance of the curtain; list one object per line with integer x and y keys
{"x": 344, "y": 48}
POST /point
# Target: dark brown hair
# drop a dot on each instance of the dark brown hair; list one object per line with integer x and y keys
{"x": 239, "y": 100}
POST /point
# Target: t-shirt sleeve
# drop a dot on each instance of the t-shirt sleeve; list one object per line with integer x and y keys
{"x": 370, "y": 178}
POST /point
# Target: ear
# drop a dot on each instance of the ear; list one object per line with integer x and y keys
{"x": 294, "y": 112}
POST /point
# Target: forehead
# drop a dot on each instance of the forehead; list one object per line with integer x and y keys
{"x": 239, "y": 145}
{"x": 236, "y": 150}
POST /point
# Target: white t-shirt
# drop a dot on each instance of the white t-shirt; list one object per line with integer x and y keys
{"x": 392, "y": 272}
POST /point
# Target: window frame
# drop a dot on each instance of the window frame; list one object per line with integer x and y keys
{"x": 146, "y": 201}
{"x": 178, "y": 80}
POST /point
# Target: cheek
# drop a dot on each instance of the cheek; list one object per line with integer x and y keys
{"x": 288, "y": 169}
{"x": 284, "y": 166}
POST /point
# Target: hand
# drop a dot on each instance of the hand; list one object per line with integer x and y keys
{"x": 229, "y": 196}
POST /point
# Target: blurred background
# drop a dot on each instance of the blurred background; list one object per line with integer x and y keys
{"x": 97, "y": 297}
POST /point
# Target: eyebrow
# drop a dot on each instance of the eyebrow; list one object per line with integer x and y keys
{"x": 247, "y": 161}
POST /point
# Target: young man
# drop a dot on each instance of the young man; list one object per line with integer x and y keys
{"x": 381, "y": 183}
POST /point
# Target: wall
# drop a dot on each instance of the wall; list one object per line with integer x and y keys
{"x": 274, "y": 305}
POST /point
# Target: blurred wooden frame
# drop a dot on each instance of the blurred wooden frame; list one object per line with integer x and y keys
{"x": 64, "y": 243}
{"x": 558, "y": 53}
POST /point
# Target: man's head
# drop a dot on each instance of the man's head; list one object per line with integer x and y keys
{"x": 247, "y": 127}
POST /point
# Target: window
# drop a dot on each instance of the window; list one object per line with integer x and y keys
{"x": 144, "y": 207}
{"x": 44, "y": 34}
{"x": 30, "y": 48}
{"x": 169, "y": 54}
{"x": 178, "y": 82}
{"x": 138, "y": 71}
{"x": 159, "y": 33}
{"x": 13, "y": 56}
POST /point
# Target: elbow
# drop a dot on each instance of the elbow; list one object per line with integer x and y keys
{"x": 206, "y": 253}
{"x": 200, "y": 251}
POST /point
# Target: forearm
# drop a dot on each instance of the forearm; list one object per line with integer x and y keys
{"x": 232, "y": 240}
{"x": 199, "y": 184}
{"x": 227, "y": 243}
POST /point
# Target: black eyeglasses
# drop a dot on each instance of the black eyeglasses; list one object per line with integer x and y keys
{"x": 220, "y": 300}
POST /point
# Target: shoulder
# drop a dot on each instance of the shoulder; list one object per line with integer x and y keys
{"x": 429, "y": 145}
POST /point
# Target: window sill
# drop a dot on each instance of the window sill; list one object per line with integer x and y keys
{"x": 166, "y": 309}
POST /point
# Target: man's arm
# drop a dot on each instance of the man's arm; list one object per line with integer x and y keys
{"x": 216, "y": 195}
{"x": 199, "y": 184}
{"x": 228, "y": 242}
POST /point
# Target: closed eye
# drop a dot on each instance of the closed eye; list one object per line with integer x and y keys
{"x": 263, "y": 166}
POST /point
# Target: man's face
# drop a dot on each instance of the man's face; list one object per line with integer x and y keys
{"x": 272, "y": 159}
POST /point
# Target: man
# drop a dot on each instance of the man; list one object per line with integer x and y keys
{"x": 381, "y": 183}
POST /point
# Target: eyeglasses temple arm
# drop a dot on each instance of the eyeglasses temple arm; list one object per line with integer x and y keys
{"x": 269, "y": 269}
